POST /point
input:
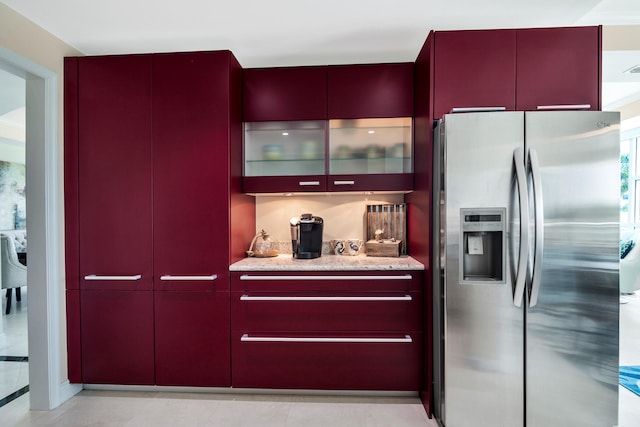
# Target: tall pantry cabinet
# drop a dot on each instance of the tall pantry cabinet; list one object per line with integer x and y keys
{"x": 152, "y": 182}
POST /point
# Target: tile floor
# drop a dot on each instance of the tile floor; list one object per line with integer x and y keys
{"x": 121, "y": 408}
{"x": 14, "y": 375}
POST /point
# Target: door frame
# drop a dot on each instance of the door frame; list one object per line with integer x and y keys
{"x": 48, "y": 382}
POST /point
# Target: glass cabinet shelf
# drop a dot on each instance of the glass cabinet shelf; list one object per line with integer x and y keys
{"x": 284, "y": 148}
{"x": 370, "y": 146}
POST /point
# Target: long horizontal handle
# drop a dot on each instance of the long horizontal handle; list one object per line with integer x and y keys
{"x": 309, "y": 183}
{"x": 344, "y": 182}
{"x": 247, "y": 338}
{"x": 96, "y": 277}
{"x": 477, "y": 109}
{"x": 184, "y": 278}
{"x": 564, "y": 107}
{"x": 267, "y": 278}
{"x": 293, "y": 298}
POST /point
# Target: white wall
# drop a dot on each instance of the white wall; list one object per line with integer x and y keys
{"x": 27, "y": 41}
{"x": 344, "y": 216}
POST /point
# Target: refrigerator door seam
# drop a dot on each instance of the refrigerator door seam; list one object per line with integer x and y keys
{"x": 534, "y": 165}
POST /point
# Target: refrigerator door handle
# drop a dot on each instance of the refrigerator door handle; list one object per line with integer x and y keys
{"x": 523, "y": 197}
{"x": 534, "y": 165}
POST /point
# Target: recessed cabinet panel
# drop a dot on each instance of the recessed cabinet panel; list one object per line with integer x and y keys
{"x": 285, "y": 93}
{"x": 192, "y": 339}
{"x": 117, "y": 337}
{"x": 114, "y": 162}
{"x": 370, "y": 146}
{"x": 284, "y": 148}
{"x": 370, "y": 90}
{"x": 187, "y": 221}
{"x": 558, "y": 66}
{"x": 474, "y": 69}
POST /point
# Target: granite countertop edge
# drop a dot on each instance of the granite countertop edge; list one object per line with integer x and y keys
{"x": 286, "y": 262}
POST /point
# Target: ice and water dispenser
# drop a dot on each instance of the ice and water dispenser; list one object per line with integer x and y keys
{"x": 483, "y": 245}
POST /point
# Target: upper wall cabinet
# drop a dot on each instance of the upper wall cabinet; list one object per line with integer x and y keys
{"x": 524, "y": 69}
{"x": 558, "y": 66}
{"x": 289, "y": 93}
{"x": 370, "y": 91}
{"x": 474, "y": 69}
{"x": 288, "y": 139}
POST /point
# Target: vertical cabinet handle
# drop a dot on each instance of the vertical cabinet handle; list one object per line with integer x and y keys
{"x": 523, "y": 197}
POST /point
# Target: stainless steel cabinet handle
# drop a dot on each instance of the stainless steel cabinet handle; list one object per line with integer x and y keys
{"x": 267, "y": 278}
{"x": 125, "y": 278}
{"x": 476, "y": 109}
{"x": 539, "y": 227}
{"x": 344, "y": 182}
{"x": 294, "y": 298}
{"x": 521, "y": 273}
{"x": 564, "y": 107}
{"x": 308, "y": 183}
{"x": 247, "y": 338}
{"x": 185, "y": 278}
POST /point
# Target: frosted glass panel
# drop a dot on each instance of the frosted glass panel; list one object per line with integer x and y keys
{"x": 370, "y": 146}
{"x": 284, "y": 148}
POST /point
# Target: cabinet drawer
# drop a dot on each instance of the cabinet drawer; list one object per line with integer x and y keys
{"x": 313, "y": 281}
{"x": 323, "y": 311}
{"x": 327, "y": 362}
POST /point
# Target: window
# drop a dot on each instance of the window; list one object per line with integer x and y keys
{"x": 630, "y": 179}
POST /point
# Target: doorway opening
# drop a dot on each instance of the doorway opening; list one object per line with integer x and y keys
{"x": 48, "y": 384}
{"x": 14, "y": 369}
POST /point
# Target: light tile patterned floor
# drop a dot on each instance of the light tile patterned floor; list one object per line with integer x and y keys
{"x": 107, "y": 408}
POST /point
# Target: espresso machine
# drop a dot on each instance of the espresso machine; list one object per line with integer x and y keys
{"x": 306, "y": 236}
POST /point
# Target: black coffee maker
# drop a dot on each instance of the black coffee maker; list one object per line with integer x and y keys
{"x": 306, "y": 236}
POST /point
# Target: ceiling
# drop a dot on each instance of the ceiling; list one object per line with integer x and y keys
{"x": 295, "y": 32}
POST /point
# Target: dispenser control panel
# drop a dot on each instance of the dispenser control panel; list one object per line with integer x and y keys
{"x": 483, "y": 245}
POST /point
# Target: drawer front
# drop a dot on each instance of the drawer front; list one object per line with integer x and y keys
{"x": 310, "y": 281}
{"x": 327, "y": 311}
{"x": 327, "y": 362}
{"x": 192, "y": 341}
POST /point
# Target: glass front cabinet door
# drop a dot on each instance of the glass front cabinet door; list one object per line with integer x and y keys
{"x": 335, "y": 155}
{"x": 370, "y": 154}
{"x": 284, "y": 156}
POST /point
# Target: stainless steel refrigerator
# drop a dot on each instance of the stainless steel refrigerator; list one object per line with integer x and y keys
{"x": 525, "y": 269}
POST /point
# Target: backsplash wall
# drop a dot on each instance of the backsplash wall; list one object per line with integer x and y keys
{"x": 344, "y": 215}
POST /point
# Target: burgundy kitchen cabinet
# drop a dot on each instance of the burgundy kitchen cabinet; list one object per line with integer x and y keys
{"x": 192, "y": 342}
{"x": 519, "y": 69}
{"x": 332, "y": 331}
{"x": 559, "y": 66}
{"x": 285, "y": 93}
{"x": 370, "y": 91}
{"x": 117, "y": 337}
{"x": 194, "y": 129}
{"x": 474, "y": 69}
{"x": 114, "y": 220}
{"x": 114, "y": 172}
{"x": 160, "y": 215}
{"x": 287, "y": 144}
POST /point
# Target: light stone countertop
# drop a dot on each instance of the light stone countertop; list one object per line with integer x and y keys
{"x": 285, "y": 262}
